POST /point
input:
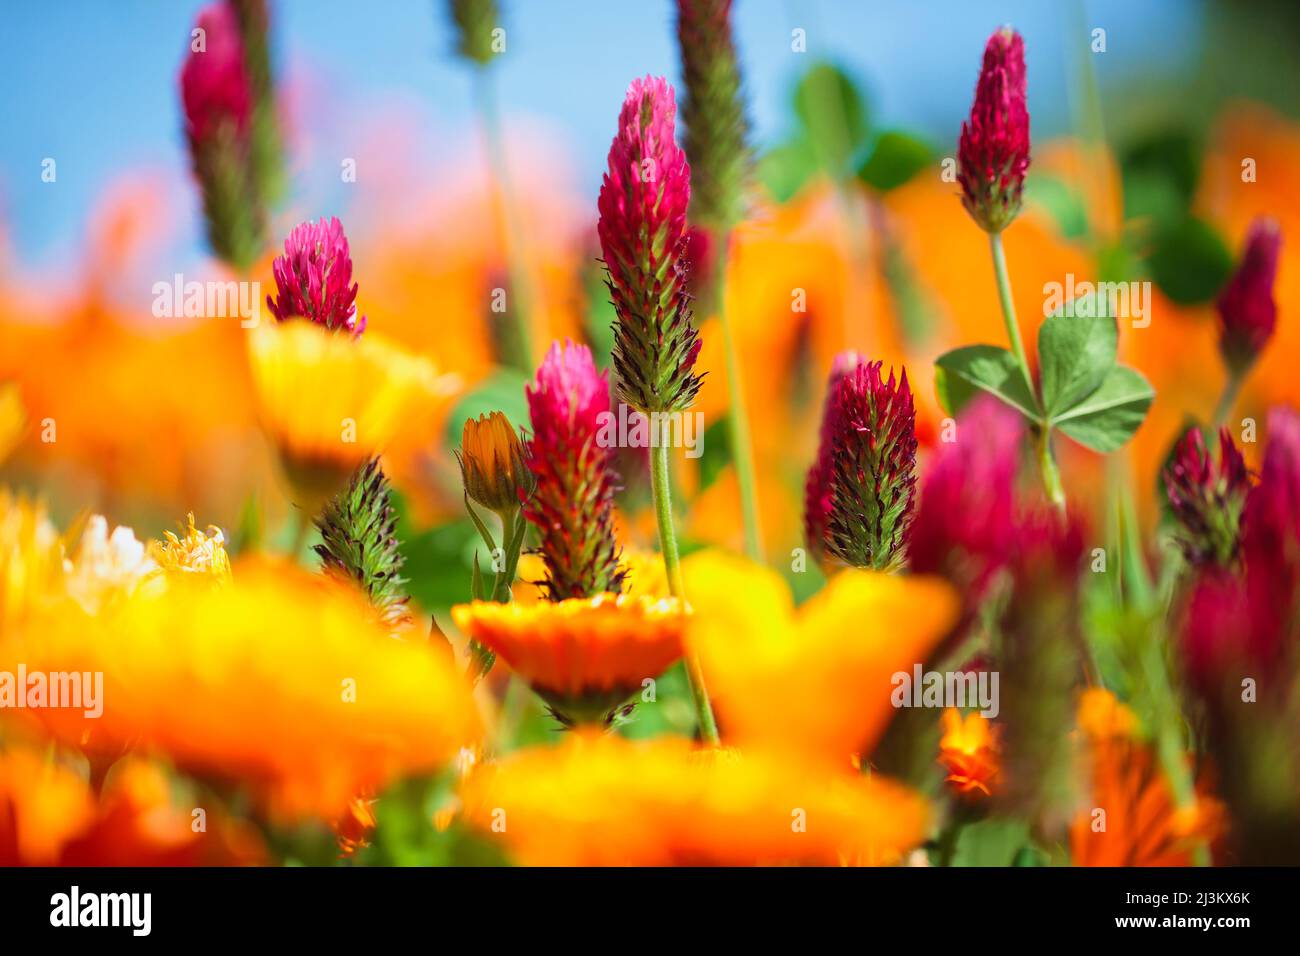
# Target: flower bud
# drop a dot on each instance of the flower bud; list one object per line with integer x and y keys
{"x": 1247, "y": 311}
{"x": 493, "y": 464}
{"x": 993, "y": 152}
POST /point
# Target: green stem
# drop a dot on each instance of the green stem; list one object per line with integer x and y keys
{"x": 672, "y": 565}
{"x": 516, "y": 264}
{"x": 1009, "y": 308}
{"x": 1046, "y": 462}
{"x": 742, "y": 448}
{"x": 1047, "y": 465}
{"x": 1229, "y": 397}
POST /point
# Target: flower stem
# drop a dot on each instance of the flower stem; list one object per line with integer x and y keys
{"x": 1051, "y": 475}
{"x": 672, "y": 565}
{"x": 1046, "y": 463}
{"x": 1229, "y": 397}
{"x": 742, "y": 448}
{"x": 1009, "y": 307}
{"x": 507, "y": 215}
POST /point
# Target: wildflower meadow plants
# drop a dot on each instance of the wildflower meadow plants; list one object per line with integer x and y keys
{"x": 942, "y": 581}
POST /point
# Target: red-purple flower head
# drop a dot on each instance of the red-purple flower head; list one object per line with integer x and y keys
{"x": 993, "y": 153}
{"x": 963, "y": 523}
{"x": 1207, "y": 497}
{"x": 818, "y": 495}
{"x": 642, "y": 203}
{"x": 1252, "y": 620}
{"x": 873, "y": 455}
{"x": 573, "y": 506}
{"x": 215, "y": 87}
{"x": 218, "y": 101}
{"x": 1247, "y": 312}
{"x": 313, "y": 278}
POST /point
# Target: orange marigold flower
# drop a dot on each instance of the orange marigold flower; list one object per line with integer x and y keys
{"x": 1131, "y": 817}
{"x": 602, "y": 800}
{"x": 584, "y": 656}
{"x": 968, "y": 750}
{"x": 280, "y": 680}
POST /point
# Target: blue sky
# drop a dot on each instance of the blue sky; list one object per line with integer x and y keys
{"x": 93, "y": 84}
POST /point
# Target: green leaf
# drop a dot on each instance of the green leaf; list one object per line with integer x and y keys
{"x": 992, "y": 842}
{"x": 1108, "y": 417}
{"x": 895, "y": 159}
{"x": 786, "y": 167}
{"x": 1190, "y": 261}
{"x": 1075, "y": 354}
{"x": 962, "y": 372}
{"x": 832, "y": 112}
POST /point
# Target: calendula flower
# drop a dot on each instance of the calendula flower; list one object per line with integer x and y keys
{"x": 873, "y": 458}
{"x": 494, "y": 463}
{"x": 815, "y": 681}
{"x": 331, "y": 402}
{"x": 1142, "y": 824}
{"x": 217, "y": 99}
{"x": 49, "y": 816}
{"x": 354, "y": 827}
{"x": 1247, "y": 309}
{"x": 281, "y": 681}
{"x": 573, "y": 507}
{"x": 607, "y": 801}
{"x": 712, "y": 112}
{"x": 584, "y": 657}
{"x": 967, "y": 501}
{"x": 32, "y": 571}
{"x": 968, "y": 751}
{"x": 201, "y": 553}
{"x": 107, "y": 567}
{"x": 13, "y": 418}
{"x": 312, "y": 278}
{"x": 993, "y": 152}
{"x": 1207, "y": 496}
{"x": 643, "y": 200}
{"x": 819, "y": 486}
